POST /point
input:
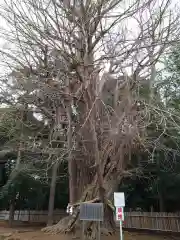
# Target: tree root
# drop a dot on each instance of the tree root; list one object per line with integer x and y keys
{"x": 64, "y": 226}
{"x": 70, "y": 224}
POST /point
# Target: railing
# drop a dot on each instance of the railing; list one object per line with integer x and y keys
{"x": 168, "y": 222}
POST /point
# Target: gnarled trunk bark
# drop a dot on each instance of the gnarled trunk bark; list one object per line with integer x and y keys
{"x": 90, "y": 194}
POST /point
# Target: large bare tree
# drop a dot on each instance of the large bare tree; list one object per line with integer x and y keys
{"x": 83, "y": 66}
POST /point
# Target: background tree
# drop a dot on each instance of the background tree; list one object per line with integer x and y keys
{"x": 160, "y": 179}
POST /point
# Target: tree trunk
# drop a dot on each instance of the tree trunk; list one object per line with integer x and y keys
{"x": 91, "y": 194}
{"x": 12, "y": 203}
{"x": 52, "y": 194}
{"x": 14, "y": 173}
{"x": 11, "y": 212}
{"x": 161, "y": 201}
{"x": 71, "y": 160}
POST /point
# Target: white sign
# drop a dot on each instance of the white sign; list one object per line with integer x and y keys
{"x": 119, "y": 214}
{"x": 119, "y": 199}
{"x": 69, "y": 209}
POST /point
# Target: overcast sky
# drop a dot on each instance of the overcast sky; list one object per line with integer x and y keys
{"x": 131, "y": 26}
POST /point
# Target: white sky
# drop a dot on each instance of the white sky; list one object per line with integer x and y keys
{"x": 132, "y": 25}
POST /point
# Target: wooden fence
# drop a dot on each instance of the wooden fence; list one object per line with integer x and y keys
{"x": 168, "y": 222}
{"x": 32, "y": 216}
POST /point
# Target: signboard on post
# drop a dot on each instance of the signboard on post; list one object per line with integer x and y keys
{"x": 119, "y": 214}
{"x": 119, "y": 202}
{"x": 119, "y": 199}
{"x": 92, "y": 212}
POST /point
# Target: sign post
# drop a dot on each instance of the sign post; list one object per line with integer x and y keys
{"x": 120, "y": 218}
{"x": 121, "y": 234}
{"x": 119, "y": 202}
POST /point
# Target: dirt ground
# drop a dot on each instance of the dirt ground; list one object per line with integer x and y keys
{"x": 32, "y": 234}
